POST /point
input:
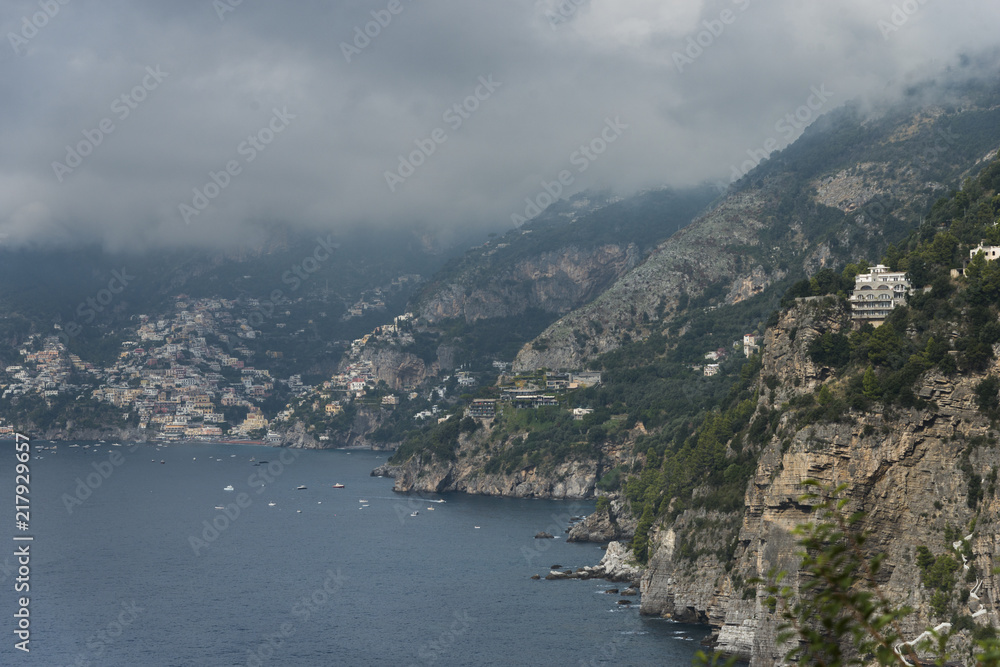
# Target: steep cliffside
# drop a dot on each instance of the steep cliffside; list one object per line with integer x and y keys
{"x": 556, "y": 282}
{"x": 909, "y": 469}
{"x": 704, "y": 253}
{"x": 849, "y": 186}
{"x": 469, "y": 471}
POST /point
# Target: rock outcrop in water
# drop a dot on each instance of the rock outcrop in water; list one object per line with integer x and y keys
{"x": 572, "y": 479}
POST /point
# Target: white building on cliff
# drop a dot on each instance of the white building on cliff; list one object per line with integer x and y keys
{"x": 876, "y": 293}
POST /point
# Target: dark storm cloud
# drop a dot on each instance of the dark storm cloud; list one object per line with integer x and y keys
{"x": 206, "y": 121}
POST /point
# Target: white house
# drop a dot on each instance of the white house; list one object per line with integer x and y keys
{"x": 876, "y": 293}
{"x": 991, "y": 252}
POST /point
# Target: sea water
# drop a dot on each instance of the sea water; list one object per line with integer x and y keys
{"x": 133, "y": 564}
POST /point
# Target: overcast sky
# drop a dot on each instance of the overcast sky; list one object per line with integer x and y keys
{"x": 331, "y": 109}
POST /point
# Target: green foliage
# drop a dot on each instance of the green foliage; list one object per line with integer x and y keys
{"x": 830, "y": 349}
{"x": 870, "y": 384}
{"x": 988, "y": 394}
{"x": 937, "y": 573}
{"x": 611, "y": 480}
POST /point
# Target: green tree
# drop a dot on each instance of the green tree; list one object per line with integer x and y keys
{"x": 870, "y": 385}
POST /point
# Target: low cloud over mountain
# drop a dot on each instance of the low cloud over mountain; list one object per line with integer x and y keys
{"x": 143, "y": 124}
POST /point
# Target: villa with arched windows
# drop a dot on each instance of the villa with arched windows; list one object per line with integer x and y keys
{"x": 876, "y": 293}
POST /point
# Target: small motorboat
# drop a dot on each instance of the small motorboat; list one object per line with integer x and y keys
{"x": 338, "y": 486}
{"x": 228, "y": 488}
{"x": 301, "y": 487}
{"x": 272, "y": 504}
{"x": 414, "y": 513}
{"x": 162, "y": 461}
{"x": 219, "y": 507}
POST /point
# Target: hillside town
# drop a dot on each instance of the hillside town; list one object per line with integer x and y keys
{"x": 191, "y": 375}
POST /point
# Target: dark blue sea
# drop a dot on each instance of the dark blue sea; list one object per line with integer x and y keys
{"x": 144, "y": 570}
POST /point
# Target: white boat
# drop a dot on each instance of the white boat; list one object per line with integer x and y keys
{"x": 414, "y": 513}
{"x": 228, "y": 488}
{"x": 219, "y": 507}
{"x": 436, "y": 501}
{"x": 338, "y": 486}
{"x": 430, "y": 509}
{"x": 301, "y": 487}
{"x": 272, "y": 504}
{"x": 362, "y": 501}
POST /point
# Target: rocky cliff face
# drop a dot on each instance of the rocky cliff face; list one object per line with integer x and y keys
{"x": 614, "y": 523}
{"x": 367, "y": 419}
{"x": 396, "y": 367}
{"x": 761, "y": 232}
{"x": 556, "y": 282}
{"x": 701, "y": 254}
{"x": 571, "y": 479}
{"x": 901, "y": 468}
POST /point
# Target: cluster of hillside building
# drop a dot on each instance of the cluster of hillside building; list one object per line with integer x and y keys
{"x": 170, "y": 378}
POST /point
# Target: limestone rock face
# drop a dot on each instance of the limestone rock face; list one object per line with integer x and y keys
{"x": 617, "y": 564}
{"x": 397, "y": 368}
{"x": 569, "y": 480}
{"x": 616, "y": 523}
{"x": 902, "y": 468}
{"x": 467, "y": 472}
{"x": 785, "y": 349}
{"x": 556, "y": 282}
{"x": 698, "y": 255}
